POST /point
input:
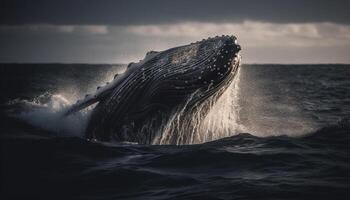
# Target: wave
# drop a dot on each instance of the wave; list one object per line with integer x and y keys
{"x": 243, "y": 151}
{"x": 44, "y": 112}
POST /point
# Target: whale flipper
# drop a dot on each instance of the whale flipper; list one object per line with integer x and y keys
{"x": 105, "y": 91}
{"x": 81, "y": 104}
{"x": 101, "y": 93}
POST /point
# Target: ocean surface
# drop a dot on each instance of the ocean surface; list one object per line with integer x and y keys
{"x": 289, "y": 139}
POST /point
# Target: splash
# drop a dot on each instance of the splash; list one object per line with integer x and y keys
{"x": 221, "y": 121}
{"x": 223, "y": 118}
{"x": 242, "y": 108}
{"x": 44, "y": 112}
{"x": 248, "y": 105}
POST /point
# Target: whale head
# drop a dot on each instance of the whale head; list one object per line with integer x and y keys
{"x": 205, "y": 66}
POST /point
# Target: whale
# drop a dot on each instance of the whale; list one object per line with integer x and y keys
{"x": 148, "y": 102}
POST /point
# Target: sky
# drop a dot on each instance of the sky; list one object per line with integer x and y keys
{"x": 122, "y": 31}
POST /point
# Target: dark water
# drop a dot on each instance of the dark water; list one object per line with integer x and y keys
{"x": 298, "y": 146}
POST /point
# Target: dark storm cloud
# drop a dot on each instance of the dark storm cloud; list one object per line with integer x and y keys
{"x": 125, "y": 12}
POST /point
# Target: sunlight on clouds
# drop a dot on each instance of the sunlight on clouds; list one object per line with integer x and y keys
{"x": 261, "y": 42}
{"x": 89, "y": 29}
{"x": 249, "y": 33}
{"x": 66, "y": 29}
{"x": 255, "y": 34}
{"x": 96, "y": 29}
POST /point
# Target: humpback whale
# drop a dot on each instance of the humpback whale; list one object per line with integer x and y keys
{"x": 162, "y": 92}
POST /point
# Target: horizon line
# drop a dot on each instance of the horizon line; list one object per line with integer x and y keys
{"x": 95, "y": 63}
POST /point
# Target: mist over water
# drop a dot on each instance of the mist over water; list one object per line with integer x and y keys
{"x": 270, "y": 103}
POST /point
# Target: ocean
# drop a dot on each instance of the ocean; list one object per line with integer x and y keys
{"x": 286, "y": 136}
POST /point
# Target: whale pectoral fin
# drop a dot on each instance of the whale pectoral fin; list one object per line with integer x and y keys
{"x": 79, "y": 106}
{"x": 88, "y": 100}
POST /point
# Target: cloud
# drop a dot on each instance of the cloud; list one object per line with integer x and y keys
{"x": 135, "y": 12}
{"x": 49, "y": 28}
{"x": 95, "y": 29}
{"x": 254, "y": 34}
{"x": 262, "y": 42}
